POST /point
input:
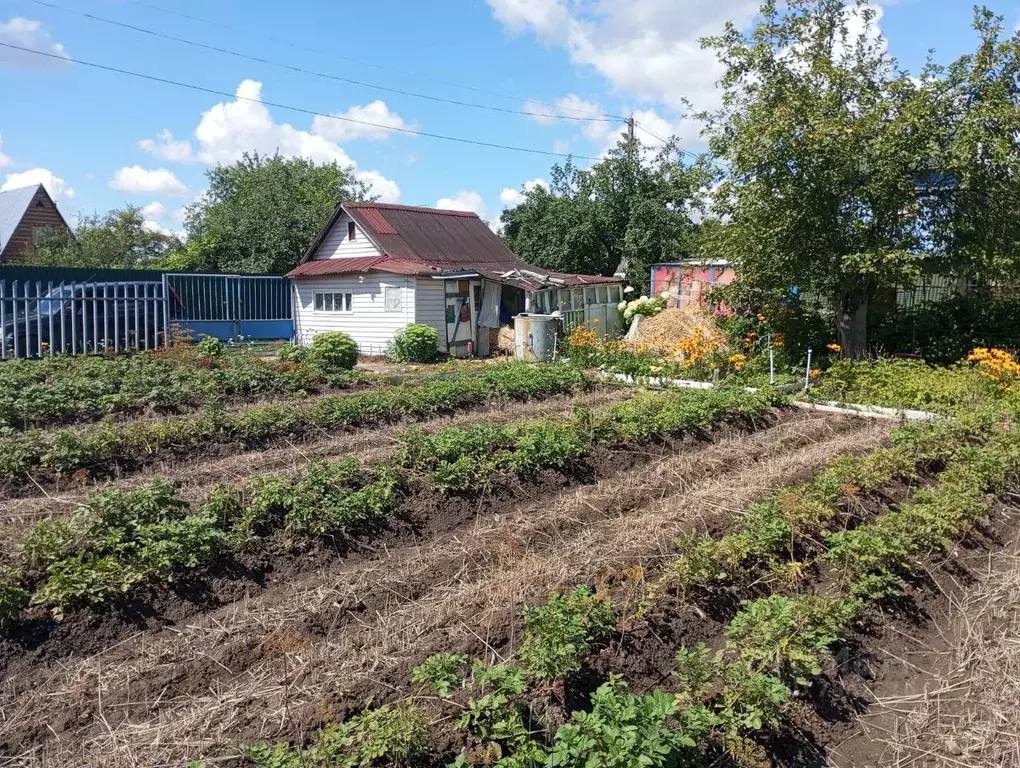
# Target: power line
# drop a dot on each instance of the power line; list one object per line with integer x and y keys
{"x": 331, "y": 54}
{"x": 654, "y": 135}
{"x": 278, "y": 105}
{"x": 324, "y": 75}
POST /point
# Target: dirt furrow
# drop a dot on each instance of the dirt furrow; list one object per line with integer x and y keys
{"x": 281, "y": 663}
{"x": 368, "y": 444}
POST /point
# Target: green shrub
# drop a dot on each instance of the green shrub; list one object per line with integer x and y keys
{"x": 12, "y": 597}
{"x": 417, "y": 343}
{"x": 209, "y": 346}
{"x": 622, "y": 730}
{"x": 332, "y": 351}
{"x": 45, "y": 543}
{"x": 87, "y": 579}
{"x": 391, "y": 735}
{"x": 442, "y": 671}
{"x": 292, "y": 353}
{"x": 787, "y": 636}
{"x": 563, "y": 632}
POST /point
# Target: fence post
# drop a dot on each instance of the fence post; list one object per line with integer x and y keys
{"x": 3, "y": 319}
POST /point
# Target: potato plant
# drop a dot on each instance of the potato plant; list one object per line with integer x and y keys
{"x": 563, "y": 632}
{"x": 61, "y": 389}
{"x": 72, "y": 449}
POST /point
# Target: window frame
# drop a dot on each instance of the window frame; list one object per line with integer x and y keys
{"x": 352, "y": 231}
{"x": 346, "y": 299}
{"x": 400, "y": 298}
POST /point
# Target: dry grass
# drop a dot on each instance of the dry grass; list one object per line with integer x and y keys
{"x": 969, "y": 713}
{"x": 197, "y": 476}
{"x": 458, "y": 591}
{"x": 664, "y": 330}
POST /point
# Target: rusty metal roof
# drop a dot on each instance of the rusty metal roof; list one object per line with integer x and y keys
{"x": 357, "y": 265}
{"x": 434, "y": 240}
{"x": 432, "y": 235}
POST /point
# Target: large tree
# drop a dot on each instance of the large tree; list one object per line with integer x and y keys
{"x": 825, "y": 145}
{"x": 974, "y": 201}
{"x": 629, "y": 210}
{"x": 844, "y": 176}
{"x": 261, "y": 213}
{"x": 118, "y": 239}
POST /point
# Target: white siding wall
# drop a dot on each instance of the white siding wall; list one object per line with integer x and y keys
{"x": 369, "y": 324}
{"x": 337, "y": 246}
{"x": 430, "y": 306}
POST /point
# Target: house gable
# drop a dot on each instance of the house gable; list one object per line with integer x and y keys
{"x": 39, "y": 214}
{"x": 336, "y": 242}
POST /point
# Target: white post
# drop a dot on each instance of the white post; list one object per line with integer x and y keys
{"x": 474, "y": 318}
{"x": 807, "y": 371}
{"x": 772, "y": 362}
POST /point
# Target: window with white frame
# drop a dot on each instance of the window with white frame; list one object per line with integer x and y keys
{"x": 393, "y": 298}
{"x": 333, "y": 302}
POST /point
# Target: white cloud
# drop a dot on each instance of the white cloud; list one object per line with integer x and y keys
{"x": 463, "y": 201}
{"x": 5, "y": 160}
{"x": 154, "y": 210}
{"x": 511, "y": 197}
{"x": 165, "y": 146}
{"x": 342, "y": 129}
{"x": 141, "y": 181}
{"x": 228, "y": 130}
{"x": 30, "y": 34}
{"x": 645, "y": 48}
{"x": 385, "y": 189}
{"x": 179, "y": 214}
{"x": 573, "y": 106}
{"x": 56, "y": 186}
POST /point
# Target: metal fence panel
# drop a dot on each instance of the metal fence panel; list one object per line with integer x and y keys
{"x": 45, "y": 318}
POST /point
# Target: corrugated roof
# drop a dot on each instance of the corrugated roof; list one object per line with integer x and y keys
{"x": 375, "y": 218}
{"x": 356, "y": 265}
{"x": 13, "y": 205}
{"x": 434, "y": 240}
{"x": 432, "y": 235}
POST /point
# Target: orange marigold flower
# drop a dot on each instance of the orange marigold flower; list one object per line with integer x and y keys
{"x": 834, "y": 347}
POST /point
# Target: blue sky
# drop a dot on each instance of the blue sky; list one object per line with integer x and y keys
{"x": 99, "y": 139}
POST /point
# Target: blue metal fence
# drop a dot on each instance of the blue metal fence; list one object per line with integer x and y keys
{"x": 230, "y": 306}
{"x": 53, "y": 310}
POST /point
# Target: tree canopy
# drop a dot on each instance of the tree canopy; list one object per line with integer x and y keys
{"x": 117, "y": 239}
{"x": 843, "y": 175}
{"x": 628, "y": 211}
{"x": 261, "y": 213}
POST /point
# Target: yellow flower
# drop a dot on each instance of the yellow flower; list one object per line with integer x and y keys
{"x": 834, "y": 347}
{"x": 778, "y": 340}
{"x": 738, "y": 361}
{"x": 816, "y": 373}
{"x": 762, "y": 318}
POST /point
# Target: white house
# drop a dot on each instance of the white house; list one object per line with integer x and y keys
{"x": 375, "y": 268}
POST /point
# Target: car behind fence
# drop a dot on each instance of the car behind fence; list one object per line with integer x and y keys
{"x": 54, "y": 310}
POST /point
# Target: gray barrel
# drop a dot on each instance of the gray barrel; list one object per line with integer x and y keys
{"x": 535, "y": 337}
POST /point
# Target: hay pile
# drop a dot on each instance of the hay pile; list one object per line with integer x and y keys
{"x": 662, "y": 332}
{"x": 505, "y": 339}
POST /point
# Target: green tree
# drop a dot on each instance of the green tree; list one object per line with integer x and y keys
{"x": 628, "y": 211}
{"x": 118, "y": 239}
{"x": 826, "y": 147}
{"x": 975, "y": 199}
{"x": 261, "y": 213}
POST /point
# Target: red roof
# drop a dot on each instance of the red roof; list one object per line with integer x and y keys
{"x": 428, "y": 240}
{"x": 356, "y": 265}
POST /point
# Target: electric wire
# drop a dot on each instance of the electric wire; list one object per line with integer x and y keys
{"x": 291, "y": 108}
{"x": 323, "y": 75}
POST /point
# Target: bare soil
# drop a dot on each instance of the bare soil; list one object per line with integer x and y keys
{"x": 311, "y": 644}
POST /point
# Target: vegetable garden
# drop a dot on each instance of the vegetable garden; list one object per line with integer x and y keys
{"x": 500, "y": 565}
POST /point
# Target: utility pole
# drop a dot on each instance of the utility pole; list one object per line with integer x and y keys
{"x": 630, "y": 128}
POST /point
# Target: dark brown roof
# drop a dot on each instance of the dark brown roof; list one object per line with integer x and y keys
{"x": 431, "y": 235}
{"x": 359, "y": 264}
{"x": 433, "y": 240}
